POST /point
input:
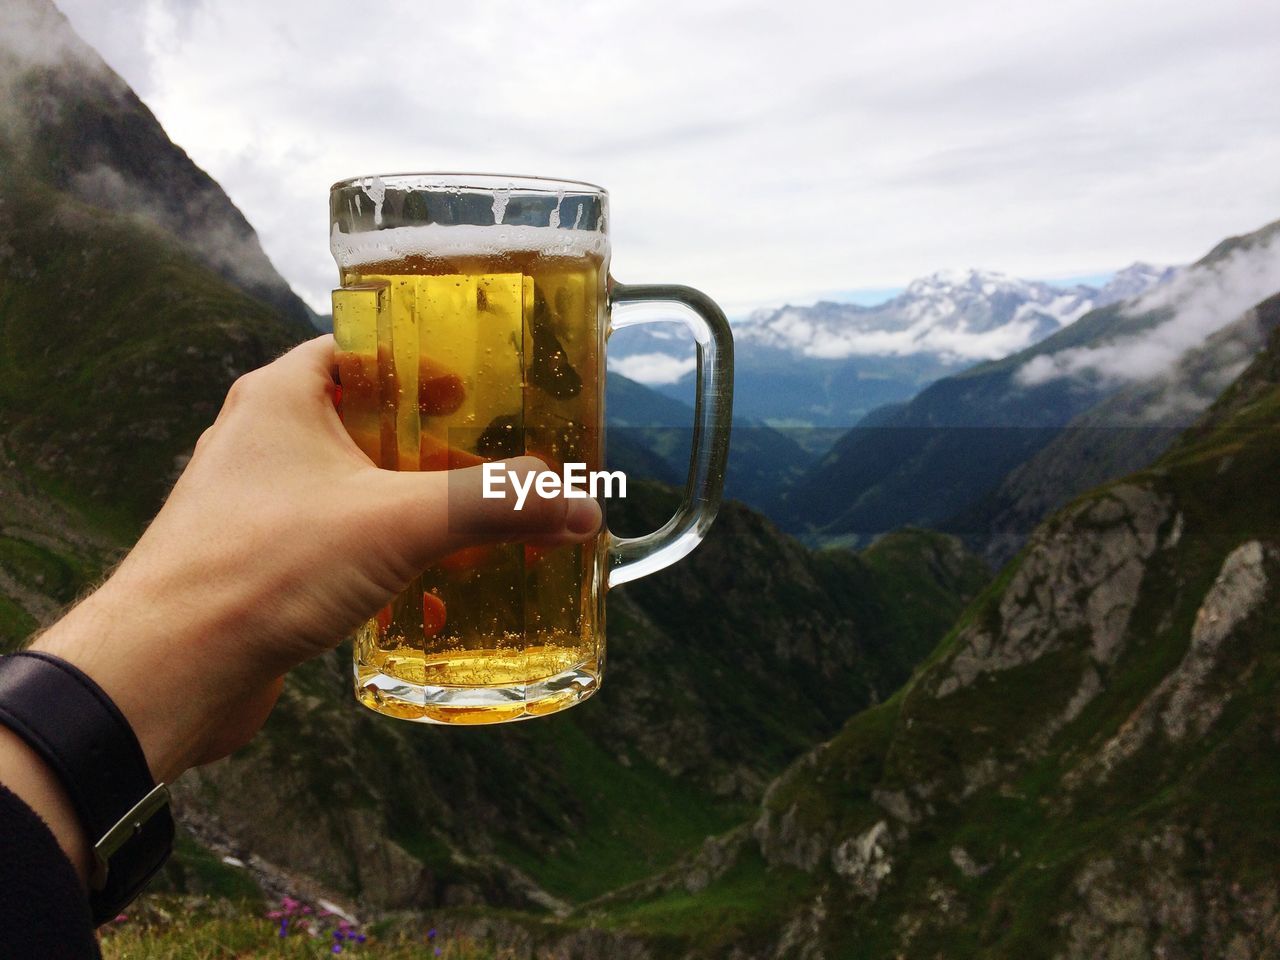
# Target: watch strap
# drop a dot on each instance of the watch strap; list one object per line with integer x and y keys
{"x": 87, "y": 742}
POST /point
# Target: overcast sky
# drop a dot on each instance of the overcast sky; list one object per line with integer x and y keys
{"x": 766, "y": 152}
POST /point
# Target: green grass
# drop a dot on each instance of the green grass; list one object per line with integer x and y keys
{"x": 173, "y": 928}
{"x": 194, "y": 870}
{"x": 749, "y": 902}
{"x": 15, "y": 624}
{"x": 836, "y": 793}
{"x": 56, "y": 576}
{"x": 641, "y": 820}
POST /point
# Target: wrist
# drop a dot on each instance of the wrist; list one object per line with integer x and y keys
{"x": 118, "y": 638}
{"x": 72, "y": 726}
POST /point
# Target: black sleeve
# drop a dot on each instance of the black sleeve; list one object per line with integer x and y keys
{"x": 44, "y": 912}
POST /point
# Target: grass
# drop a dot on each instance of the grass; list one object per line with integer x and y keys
{"x": 195, "y": 870}
{"x": 642, "y": 820}
{"x": 15, "y": 624}
{"x": 183, "y": 928}
{"x": 749, "y": 902}
{"x": 58, "y": 577}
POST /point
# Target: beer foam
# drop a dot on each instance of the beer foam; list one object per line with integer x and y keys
{"x": 440, "y": 240}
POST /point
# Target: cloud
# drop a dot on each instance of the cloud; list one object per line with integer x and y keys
{"x": 221, "y": 244}
{"x": 1197, "y": 302}
{"x": 923, "y": 338}
{"x": 948, "y": 343}
{"x": 33, "y": 38}
{"x": 757, "y": 152}
{"x": 653, "y": 368}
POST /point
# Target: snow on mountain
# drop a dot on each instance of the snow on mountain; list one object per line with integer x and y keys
{"x": 959, "y": 315}
{"x": 1192, "y": 305}
{"x": 1133, "y": 281}
{"x": 950, "y": 317}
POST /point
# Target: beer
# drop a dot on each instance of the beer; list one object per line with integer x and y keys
{"x": 470, "y": 344}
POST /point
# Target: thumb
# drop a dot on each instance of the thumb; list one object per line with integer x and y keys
{"x": 446, "y": 510}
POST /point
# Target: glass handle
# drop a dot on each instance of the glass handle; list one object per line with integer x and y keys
{"x": 631, "y": 558}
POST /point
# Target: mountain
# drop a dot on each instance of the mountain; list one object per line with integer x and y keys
{"x": 71, "y": 122}
{"x": 122, "y": 326}
{"x": 120, "y": 340}
{"x": 1085, "y": 767}
{"x": 940, "y": 455}
{"x": 720, "y": 671}
{"x": 1121, "y": 434}
{"x": 650, "y": 433}
{"x": 806, "y": 369}
{"x": 958, "y": 314}
{"x": 1132, "y": 282}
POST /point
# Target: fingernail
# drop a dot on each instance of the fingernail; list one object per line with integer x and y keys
{"x": 583, "y": 517}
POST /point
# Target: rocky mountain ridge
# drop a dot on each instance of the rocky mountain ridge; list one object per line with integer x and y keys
{"x": 720, "y": 671}
{"x": 1121, "y": 434}
{"x": 1087, "y": 765}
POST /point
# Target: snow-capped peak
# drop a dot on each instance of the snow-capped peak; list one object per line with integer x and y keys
{"x": 988, "y": 281}
{"x": 967, "y": 314}
{"x": 951, "y": 315}
{"x": 1133, "y": 281}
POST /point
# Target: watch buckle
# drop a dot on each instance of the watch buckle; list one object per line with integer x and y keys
{"x": 125, "y": 829}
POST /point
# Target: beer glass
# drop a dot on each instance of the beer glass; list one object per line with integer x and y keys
{"x": 470, "y": 327}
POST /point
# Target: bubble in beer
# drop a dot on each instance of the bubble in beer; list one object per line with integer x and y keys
{"x": 501, "y": 438}
{"x": 516, "y": 323}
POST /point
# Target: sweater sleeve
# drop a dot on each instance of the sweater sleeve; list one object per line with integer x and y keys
{"x": 44, "y": 912}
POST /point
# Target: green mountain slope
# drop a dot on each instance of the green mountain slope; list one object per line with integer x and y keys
{"x": 132, "y": 292}
{"x": 1086, "y": 767}
{"x": 763, "y": 461}
{"x": 117, "y": 348}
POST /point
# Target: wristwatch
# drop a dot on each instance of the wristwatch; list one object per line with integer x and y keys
{"x": 84, "y": 738}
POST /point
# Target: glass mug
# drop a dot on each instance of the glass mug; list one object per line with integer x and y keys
{"x": 471, "y": 326}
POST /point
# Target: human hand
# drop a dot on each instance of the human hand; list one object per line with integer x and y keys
{"x": 279, "y": 539}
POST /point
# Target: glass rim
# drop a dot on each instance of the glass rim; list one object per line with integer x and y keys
{"x": 452, "y": 180}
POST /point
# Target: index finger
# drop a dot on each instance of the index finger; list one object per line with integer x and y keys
{"x": 314, "y": 357}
